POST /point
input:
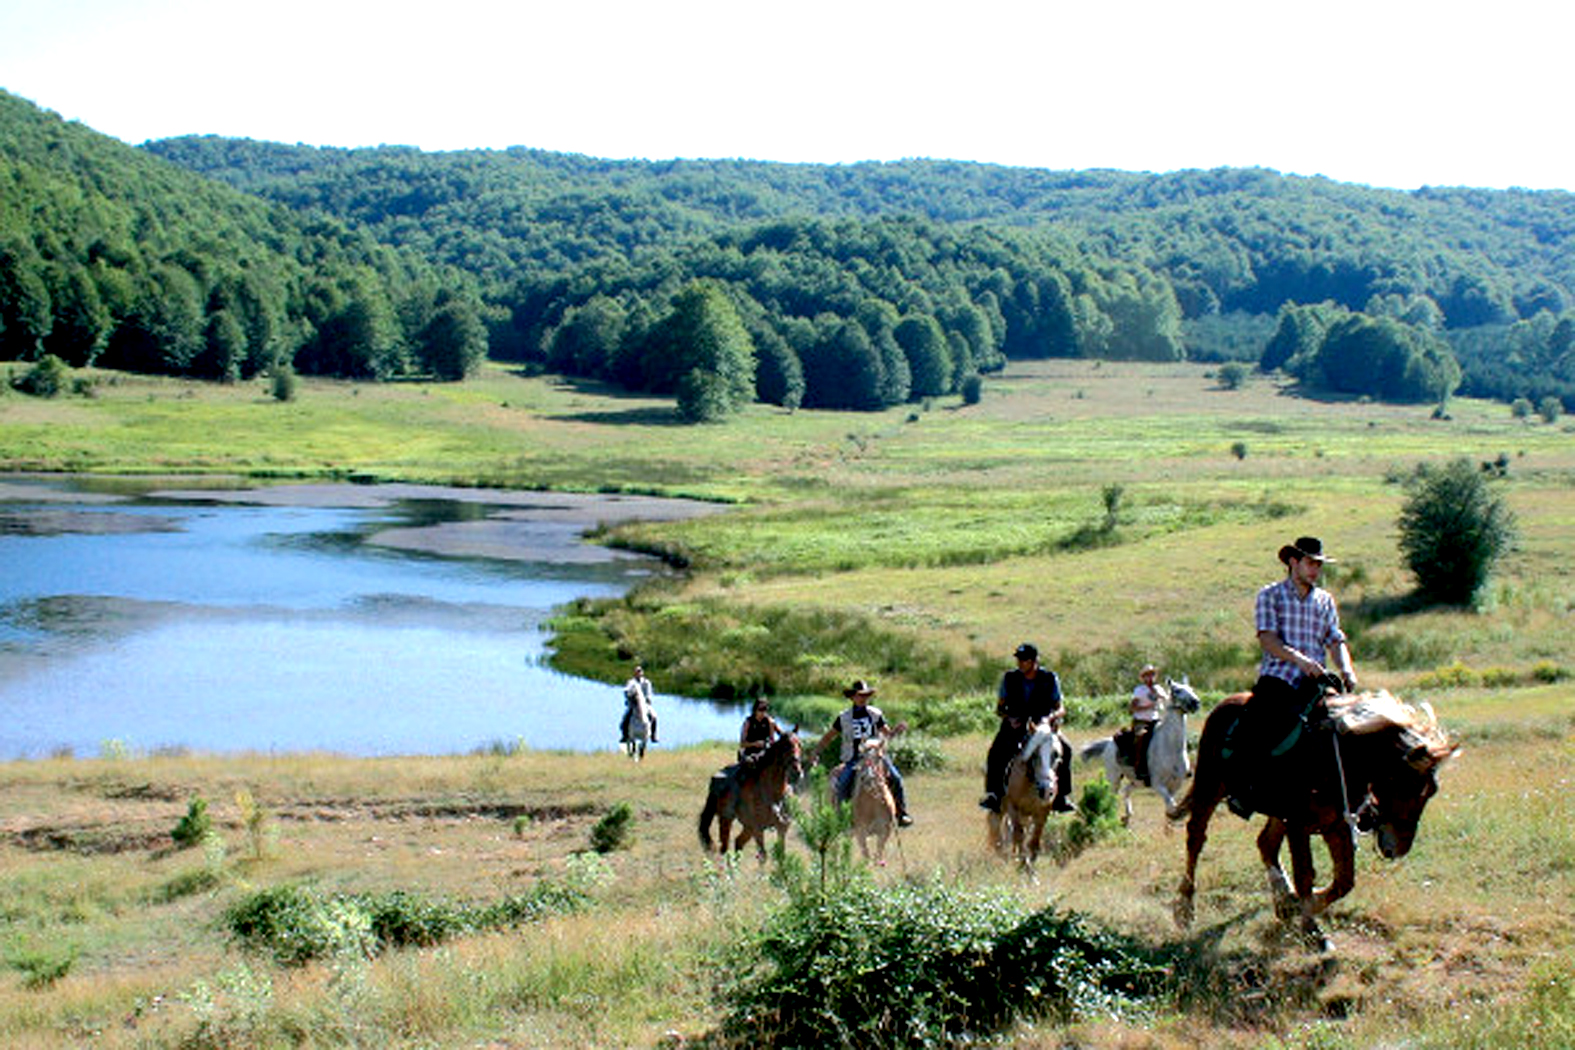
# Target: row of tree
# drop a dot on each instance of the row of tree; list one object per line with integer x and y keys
{"x": 854, "y": 286}
{"x": 111, "y": 257}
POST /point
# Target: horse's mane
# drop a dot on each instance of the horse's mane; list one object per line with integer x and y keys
{"x": 1358, "y": 714}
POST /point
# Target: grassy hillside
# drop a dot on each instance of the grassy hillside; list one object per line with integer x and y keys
{"x": 960, "y": 530}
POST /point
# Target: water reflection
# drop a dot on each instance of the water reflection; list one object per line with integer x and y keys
{"x": 162, "y": 623}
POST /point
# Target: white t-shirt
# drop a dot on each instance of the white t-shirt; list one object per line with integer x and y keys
{"x": 1145, "y": 703}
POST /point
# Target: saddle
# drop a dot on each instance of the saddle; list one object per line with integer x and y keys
{"x": 1126, "y": 745}
{"x": 1292, "y": 741}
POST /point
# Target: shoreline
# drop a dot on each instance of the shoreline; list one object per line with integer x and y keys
{"x": 528, "y": 526}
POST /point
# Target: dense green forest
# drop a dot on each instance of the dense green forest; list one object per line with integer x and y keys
{"x": 850, "y": 286}
{"x": 110, "y": 256}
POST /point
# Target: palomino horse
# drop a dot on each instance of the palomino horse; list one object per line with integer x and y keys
{"x": 638, "y": 731}
{"x": 1030, "y": 790}
{"x": 1373, "y": 760}
{"x": 874, "y": 809}
{"x": 752, "y": 795}
{"x": 1168, "y": 768}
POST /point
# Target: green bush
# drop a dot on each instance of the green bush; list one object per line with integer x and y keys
{"x": 614, "y": 830}
{"x": 972, "y": 389}
{"x": 41, "y": 966}
{"x": 295, "y": 925}
{"x": 194, "y": 826}
{"x": 922, "y": 965}
{"x": 47, "y": 378}
{"x": 917, "y": 753}
{"x": 1453, "y": 529}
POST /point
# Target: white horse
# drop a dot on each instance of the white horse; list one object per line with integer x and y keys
{"x": 639, "y": 731}
{"x": 1030, "y": 790}
{"x": 1168, "y": 767}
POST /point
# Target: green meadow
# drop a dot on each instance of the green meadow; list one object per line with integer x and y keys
{"x": 1112, "y": 513}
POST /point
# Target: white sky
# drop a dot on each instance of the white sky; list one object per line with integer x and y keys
{"x": 1392, "y": 93}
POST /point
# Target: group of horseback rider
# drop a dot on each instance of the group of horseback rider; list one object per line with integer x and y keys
{"x": 1297, "y": 625}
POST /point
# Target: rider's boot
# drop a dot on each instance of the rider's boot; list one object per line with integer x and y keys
{"x": 899, "y": 795}
{"x": 1062, "y": 803}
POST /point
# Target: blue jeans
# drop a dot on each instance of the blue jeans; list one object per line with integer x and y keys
{"x": 843, "y": 786}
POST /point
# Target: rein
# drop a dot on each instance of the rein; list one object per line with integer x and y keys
{"x": 1352, "y": 821}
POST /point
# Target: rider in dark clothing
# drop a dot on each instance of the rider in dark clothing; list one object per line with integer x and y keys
{"x": 1027, "y": 695}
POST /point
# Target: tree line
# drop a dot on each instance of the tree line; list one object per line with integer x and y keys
{"x": 111, "y": 257}
{"x": 854, "y": 286}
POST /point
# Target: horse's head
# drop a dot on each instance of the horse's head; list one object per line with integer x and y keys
{"x": 1182, "y": 696}
{"x": 1404, "y": 746}
{"x": 788, "y": 751}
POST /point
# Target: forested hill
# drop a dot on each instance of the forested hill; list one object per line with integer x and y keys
{"x": 1430, "y": 288}
{"x": 110, "y": 255}
{"x": 851, "y": 286}
{"x": 1228, "y": 239}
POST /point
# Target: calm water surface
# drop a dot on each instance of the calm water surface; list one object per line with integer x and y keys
{"x": 154, "y": 623}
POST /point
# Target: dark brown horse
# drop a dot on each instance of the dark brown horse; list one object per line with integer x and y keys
{"x": 752, "y": 794}
{"x": 1373, "y": 759}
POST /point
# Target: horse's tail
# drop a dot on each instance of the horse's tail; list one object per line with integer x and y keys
{"x": 707, "y": 815}
{"x": 1095, "y": 750}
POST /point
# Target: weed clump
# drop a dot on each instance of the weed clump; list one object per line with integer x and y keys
{"x": 195, "y": 826}
{"x": 615, "y": 830}
{"x": 296, "y": 924}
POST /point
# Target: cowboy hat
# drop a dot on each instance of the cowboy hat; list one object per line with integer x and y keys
{"x": 1304, "y": 547}
{"x": 859, "y": 688}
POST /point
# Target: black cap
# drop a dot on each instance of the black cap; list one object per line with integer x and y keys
{"x": 1026, "y": 651}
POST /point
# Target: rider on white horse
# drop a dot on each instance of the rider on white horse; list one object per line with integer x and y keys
{"x": 1147, "y": 700}
{"x": 1027, "y": 695}
{"x": 635, "y": 690}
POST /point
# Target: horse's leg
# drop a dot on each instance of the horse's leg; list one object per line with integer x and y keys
{"x": 1342, "y": 857}
{"x": 1313, "y": 901}
{"x": 1287, "y": 902}
{"x": 1197, "y": 834}
{"x": 994, "y": 833}
{"x": 1117, "y": 779}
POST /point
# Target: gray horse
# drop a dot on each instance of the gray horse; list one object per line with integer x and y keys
{"x": 1168, "y": 768}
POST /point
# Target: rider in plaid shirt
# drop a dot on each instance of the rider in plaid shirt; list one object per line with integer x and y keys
{"x": 1297, "y": 624}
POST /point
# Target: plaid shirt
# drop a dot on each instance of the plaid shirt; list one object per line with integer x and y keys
{"x": 1309, "y": 625}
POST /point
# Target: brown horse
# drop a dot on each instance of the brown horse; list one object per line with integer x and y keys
{"x": 1030, "y": 790}
{"x": 1373, "y": 760}
{"x": 874, "y": 808}
{"x": 752, "y": 795}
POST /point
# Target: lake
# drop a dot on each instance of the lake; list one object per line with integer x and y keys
{"x": 363, "y": 620}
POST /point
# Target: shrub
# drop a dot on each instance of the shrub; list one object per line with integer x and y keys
{"x": 296, "y": 925}
{"x": 1232, "y": 375}
{"x": 932, "y": 964}
{"x": 47, "y": 378}
{"x": 41, "y": 966}
{"x": 1550, "y": 408}
{"x": 1452, "y": 531}
{"x": 972, "y": 389}
{"x": 614, "y": 830}
{"x": 281, "y": 382}
{"x": 917, "y": 753}
{"x": 194, "y": 826}
{"x": 1098, "y": 816}
{"x": 1520, "y": 408}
